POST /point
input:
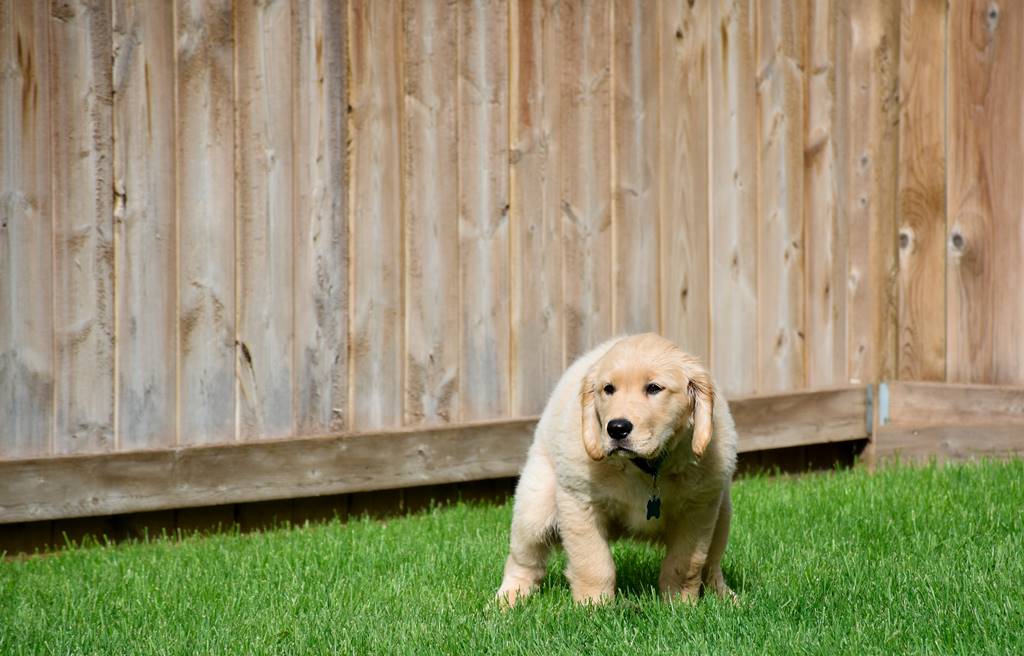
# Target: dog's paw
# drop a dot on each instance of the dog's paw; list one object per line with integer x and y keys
{"x": 512, "y": 593}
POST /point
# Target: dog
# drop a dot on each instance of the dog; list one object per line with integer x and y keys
{"x": 635, "y": 440}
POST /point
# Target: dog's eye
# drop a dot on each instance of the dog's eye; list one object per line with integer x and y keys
{"x": 609, "y": 389}
{"x": 653, "y": 388}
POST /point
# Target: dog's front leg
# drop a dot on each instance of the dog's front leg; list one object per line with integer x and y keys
{"x": 687, "y": 553}
{"x": 591, "y": 570}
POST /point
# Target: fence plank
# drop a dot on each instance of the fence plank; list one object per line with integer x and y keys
{"x": 375, "y": 96}
{"x": 932, "y": 404}
{"x": 80, "y": 44}
{"x": 825, "y": 249}
{"x": 986, "y": 93}
{"x": 922, "y": 192}
{"x": 430, "y": 178}
{"x": 683, "y": 169}
{"x": 483, "y": 208}
{"x": 144, "y": 220}
{"x": 26, "y": 231}
{"x": 635, "y": 210}
{"x": 205, "y": 140}
{"x": 733, "y": 197}
{"x": 781, "y": 28}
{"x": 320, "y": 188}
{"x": 869, "y": 57}
{"x": 536, "y": 304}
{"x": 585, "y": 169}
{"x": 263, "y": 168}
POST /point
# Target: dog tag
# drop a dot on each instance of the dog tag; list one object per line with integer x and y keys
{"x": 654, "y": 507}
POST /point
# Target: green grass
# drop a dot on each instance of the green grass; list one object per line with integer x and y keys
{"x": 902, "y": 560}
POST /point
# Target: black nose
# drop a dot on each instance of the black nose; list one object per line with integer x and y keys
{"x": 619, "y": 428}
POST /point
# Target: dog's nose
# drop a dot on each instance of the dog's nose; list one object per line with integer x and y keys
{"x": 619, "y": 429}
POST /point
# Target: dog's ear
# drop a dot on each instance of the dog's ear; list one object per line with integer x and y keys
{"x": 702, "y": 396}
{"x": 590, "y": 422}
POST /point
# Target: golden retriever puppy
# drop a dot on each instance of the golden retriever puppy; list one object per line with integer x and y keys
{"x": 634, "y": 440}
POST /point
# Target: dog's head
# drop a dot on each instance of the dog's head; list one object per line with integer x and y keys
{"x": 640, "y": 394}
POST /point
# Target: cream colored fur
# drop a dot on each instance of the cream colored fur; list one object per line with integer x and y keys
{"x": 576, "y": 490}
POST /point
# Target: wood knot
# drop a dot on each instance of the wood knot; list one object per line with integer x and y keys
{"x": 957, "y": 240}
{"x": 904, "y": 239}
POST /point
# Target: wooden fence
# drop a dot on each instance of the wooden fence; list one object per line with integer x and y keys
{"x": 224, "y": 223}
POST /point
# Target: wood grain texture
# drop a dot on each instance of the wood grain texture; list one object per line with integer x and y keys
{"x": 81, "y": 127}
{"x": 144, "y": 221}
{"x": 868, "y": 47}
{"x": 986, "y": 235}
{"x": 932, "y": 404}
{"x": 733, "y": 171}
{"x": 431, "y": 219}
{"x": 264, "y": 237}
{"x": 922, "y": 192}
{"x": 26, "y": 232}
{"x": 636, "y": 211}
{"x": 826, "y": 234}
{"x": 320, "y": 194}
{"x": 585, "y": 169}
{"x": 375, "y": 214}
{"x": 781, "y": 30}
{"x": 799, "y": 418}
{"x": 683, "y": 174}
{"x": 205, "y": 139}
{"x": 536, "y": 228}
{"x": 949, "y": 443}
{"x": 483, "y": 116}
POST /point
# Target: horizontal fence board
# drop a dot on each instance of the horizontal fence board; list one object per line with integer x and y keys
{"x": 39, "y": 489}
{"x": 932, "y": 404}
{"x": 954, "y": 442}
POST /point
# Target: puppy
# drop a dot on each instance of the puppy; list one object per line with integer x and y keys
{"x": 635, "y": 440}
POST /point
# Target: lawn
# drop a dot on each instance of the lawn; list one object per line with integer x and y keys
{"x": 900, "y": 560}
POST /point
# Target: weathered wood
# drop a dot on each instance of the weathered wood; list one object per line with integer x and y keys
{"x": 144, "y": 222}
{"x": 26, "y": 231}
{"x": 375, "y": 214}
{"x": 733, "y": 171}
{"x": 431, "y": 220}
{"x": 585, "y": 169}
{"x": 81, "y": 126}
{"x": 537, "y": 353}
{"x": 772, "y": 422}
{"x": 985, "y": 298}
{"x": 868, "y": 64}
{"x": 205, "y": 139}
{"x": 825, "y": 249}
{"x": 781, "y": 29}
{"x": 922, "y": 192}
{"x": 263, "y": 175}
{"x": 953, "y": 442}
{"x": 483, "y": 115}
{"x": 683, "y": 174}
{"x": 320, "y": 195}
{"x": 45, "y": 488}
{"x": 930, "y": 404}
{"x": 635, "y": 202}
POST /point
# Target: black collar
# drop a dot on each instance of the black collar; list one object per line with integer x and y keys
{"x": 649, "y": 467}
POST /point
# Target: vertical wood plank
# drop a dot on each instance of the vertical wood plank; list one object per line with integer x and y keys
{"x": 205, "y": 140}
{"x": 375, "y": 206}
{"x": 922, "y": 191}
{"x": 26, "y": 231}
{"x": 585, "y": 168}
{"x": 536, "y": 304}
{"x": 869, "y": 110}
{"x": 781, "y": 27}
{"x": 683, "y": 183}
{"x": 986, "y": 234}
{"x": 635, "y": 204}
{"x": 825, "y": 248}
{"x": 734, "y": 352}
{"x": 430, "y": 177}
{"x": 483, "y": 112}
{"x": 80, "y": 45}
{"x": 264, "y": 221}
{"x": 144, "y": 220}
{"x": 320, "y": 187}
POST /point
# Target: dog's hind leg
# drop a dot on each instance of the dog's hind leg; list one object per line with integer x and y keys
{"x": 533, "y": 529}
{"x": 712, "y": 575}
